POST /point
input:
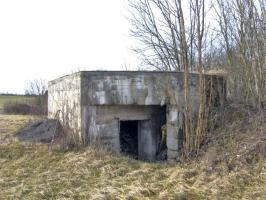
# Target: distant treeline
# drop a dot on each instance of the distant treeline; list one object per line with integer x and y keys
{"x": 14, "y": 94}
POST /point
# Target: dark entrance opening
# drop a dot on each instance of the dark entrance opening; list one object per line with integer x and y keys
{"x": 129, "y": 137}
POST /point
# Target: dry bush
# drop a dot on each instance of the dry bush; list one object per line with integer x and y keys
{"x": 35, "y": 105}
{"x": 22, "y": 108}
{"x": 17, "y": 108}
{"x": 238, "y": 141}
{"x": 42, "y": 103}
{"x": 66, "y": 138}
{"x": 70, "y": 140}
{"x": 242, "y": 27}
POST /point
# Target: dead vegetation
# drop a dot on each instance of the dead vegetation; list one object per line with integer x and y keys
{"x": 200, "y": 35}
{"x": 240, "y": 140}
{"x": 231, "y": 165}
{"x": 24, "y": 105}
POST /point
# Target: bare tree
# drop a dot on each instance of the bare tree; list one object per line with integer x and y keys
{"x": 155, "y": 24}
{"x": 171, "y": 43}
{"x": 198, "y": 8}
{"x": 173, "y": 37}
{"x": 36, "y": 87}
{"x": 243, "y": 30}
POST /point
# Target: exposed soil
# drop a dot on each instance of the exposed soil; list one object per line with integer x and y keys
{"x": 41, "y": 131}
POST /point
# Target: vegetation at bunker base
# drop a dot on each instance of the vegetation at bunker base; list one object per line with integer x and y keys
{"x": 29, "y": 171}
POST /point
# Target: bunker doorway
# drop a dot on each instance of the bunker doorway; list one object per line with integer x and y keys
{"x": 129, "y": 137}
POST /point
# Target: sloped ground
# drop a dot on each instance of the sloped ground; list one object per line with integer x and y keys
{"x": 41, "y": 131}
{"x": 29, "y": 171}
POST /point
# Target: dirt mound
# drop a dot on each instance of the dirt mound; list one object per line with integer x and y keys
{"x": 41, "y": 131}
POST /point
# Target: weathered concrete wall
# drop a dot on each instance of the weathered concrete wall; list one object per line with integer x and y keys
{"x": 139, "y": 88}
{"x": 64, "y": 97}
{"x": 150, "y": 133}
{"x": 102, "y": 123}
{"x": 135, "y": 88}
{"x": 174, "y": 128}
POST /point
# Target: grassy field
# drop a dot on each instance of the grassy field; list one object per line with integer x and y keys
{"x": 29, "y": 171}
{"x": 18, "y": 98}
{"x": 15, "y": 99}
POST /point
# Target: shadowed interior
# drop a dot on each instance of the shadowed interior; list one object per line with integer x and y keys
{"x": 129, "y": 137}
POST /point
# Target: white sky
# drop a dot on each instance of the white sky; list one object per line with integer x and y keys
{"x": 51, "y": 38}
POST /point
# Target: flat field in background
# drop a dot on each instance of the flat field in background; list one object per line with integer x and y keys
{"x": 15, "y": 98}
{"x": 30, "y": 171}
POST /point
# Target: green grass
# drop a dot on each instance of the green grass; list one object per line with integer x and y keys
{"x": 18, "y": 98}
{"x": 29, "y": 171}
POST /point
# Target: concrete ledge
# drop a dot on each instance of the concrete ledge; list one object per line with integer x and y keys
{"x": 172, "y": 155}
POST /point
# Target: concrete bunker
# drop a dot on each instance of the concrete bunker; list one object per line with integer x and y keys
{"x": 103, "y": 105}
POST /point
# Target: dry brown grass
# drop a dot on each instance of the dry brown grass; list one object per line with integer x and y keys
{"x": 29, "y": 171}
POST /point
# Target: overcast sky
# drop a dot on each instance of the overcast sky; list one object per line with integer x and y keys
{"x": 51, "y": 38}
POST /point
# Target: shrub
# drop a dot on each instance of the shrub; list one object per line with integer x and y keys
{"x": 21, "y": 108}
{"x": 16, "y": 108}
{"x": 33, "y": 105}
